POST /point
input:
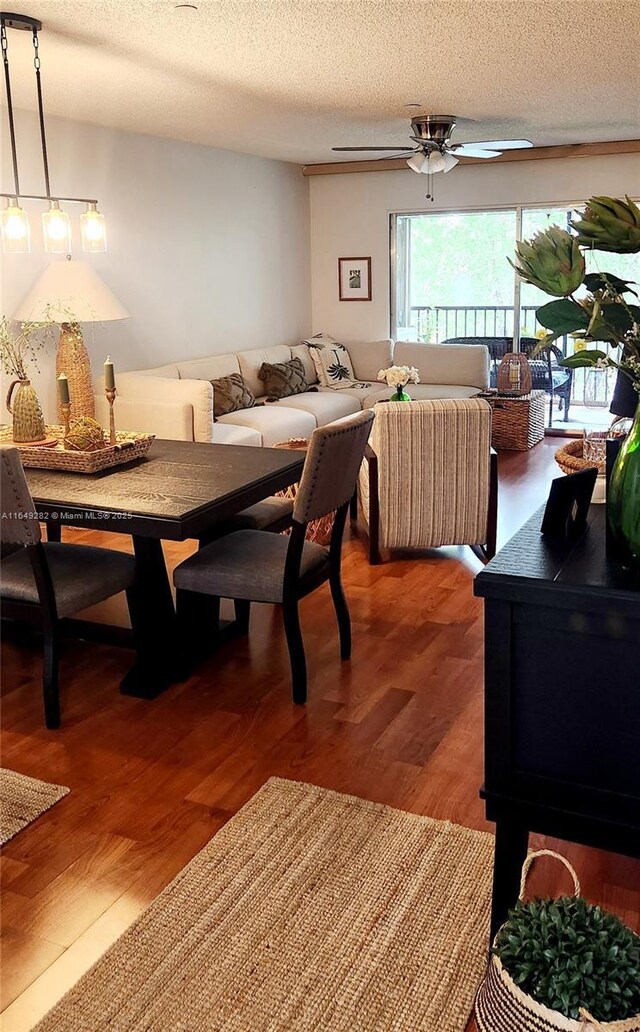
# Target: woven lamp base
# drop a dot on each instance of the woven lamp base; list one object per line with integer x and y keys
{"x": 72, "y": 358}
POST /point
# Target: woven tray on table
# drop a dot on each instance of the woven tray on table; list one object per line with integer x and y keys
{"x": 317, "y": 530}
{"x": 518, "y": 422}
{"x": 128, "y": 446}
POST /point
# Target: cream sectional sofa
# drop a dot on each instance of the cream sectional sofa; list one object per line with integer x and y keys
{"x": 176, "y": 401}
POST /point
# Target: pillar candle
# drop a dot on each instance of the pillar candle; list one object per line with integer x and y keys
{"x": 63, "y": 389}
{"x": 109, "y": 377}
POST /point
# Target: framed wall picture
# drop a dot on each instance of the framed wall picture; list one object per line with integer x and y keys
{"x": 354, "y": 279}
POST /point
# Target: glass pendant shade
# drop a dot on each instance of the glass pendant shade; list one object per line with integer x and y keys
{"x": 417, "y": 162}
{"x": 56, "y": 229}
{"x": 93, "y": 230}
{"x": 450, "y": 161}
{"x": 435, "y": 163}
{"x": 16, "y": 232}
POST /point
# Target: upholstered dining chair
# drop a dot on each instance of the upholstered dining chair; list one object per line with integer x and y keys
{"x": 257, "y": 566}
{"x": 43, "y": 583}
{"x": 430, "y": 477}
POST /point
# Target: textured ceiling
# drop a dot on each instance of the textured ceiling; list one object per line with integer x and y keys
{"x": 290, "y": 78}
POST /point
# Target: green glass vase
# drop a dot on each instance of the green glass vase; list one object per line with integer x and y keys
{"x": 623, "y": 499}
{"x": 400, "y": 395}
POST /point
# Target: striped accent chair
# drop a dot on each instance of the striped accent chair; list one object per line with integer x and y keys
{"x": 430, "y": 477}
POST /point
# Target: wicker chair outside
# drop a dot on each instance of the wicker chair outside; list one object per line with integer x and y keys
{"x": 547, "y": 374}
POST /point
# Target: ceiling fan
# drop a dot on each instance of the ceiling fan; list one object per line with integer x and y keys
{"x": 435, "y": 152}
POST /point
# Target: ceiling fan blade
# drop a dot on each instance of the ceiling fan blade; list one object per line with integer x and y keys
{"x": 403, "y": 154}
{"x": 499, "y": 145}
{"x": 393, "y": 147}
{"x": 464, "y": 150}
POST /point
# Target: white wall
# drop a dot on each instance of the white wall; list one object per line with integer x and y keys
{"x": 207, "y": 249}
{"x": 350, "y": 216}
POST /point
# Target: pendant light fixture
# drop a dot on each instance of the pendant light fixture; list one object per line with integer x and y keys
{"x": 56, "y": 224}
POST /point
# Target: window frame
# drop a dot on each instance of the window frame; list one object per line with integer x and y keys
{"x": 516, "y": 209}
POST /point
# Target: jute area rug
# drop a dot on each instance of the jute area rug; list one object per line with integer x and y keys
{"x": 22, "y": 800}
{"x": 309, "y": 911}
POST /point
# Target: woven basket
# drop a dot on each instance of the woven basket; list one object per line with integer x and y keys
{"x": 501, "y": 1006}
{"x": 569, "y": 458}
{"x": 517, "y": 424}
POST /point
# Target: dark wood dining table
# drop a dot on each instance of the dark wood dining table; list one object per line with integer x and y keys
{"x": 178, "y": 491}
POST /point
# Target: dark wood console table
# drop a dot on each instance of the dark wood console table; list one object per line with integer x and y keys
{"x": 562, "y": 698}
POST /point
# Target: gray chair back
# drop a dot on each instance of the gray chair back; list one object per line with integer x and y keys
{"x": 331, "y": 468}
{"x": 19, "y": 524}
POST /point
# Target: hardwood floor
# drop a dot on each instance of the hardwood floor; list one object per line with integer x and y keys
{"x": 151, "y": 782}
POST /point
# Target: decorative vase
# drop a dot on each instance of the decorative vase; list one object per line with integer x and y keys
{"x": 623, "y": 498}
{"x": 400, "y": 395}
{"x": 72, "y": 358}
{"x": 28, "y": 421}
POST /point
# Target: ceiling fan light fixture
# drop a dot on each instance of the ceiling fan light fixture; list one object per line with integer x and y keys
{"x": 450, "y": 161}
{"x": 417, "y": 162}
{"x": 435, "y": 163}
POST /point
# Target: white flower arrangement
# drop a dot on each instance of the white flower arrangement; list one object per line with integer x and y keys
{"x": 399, "y": 375}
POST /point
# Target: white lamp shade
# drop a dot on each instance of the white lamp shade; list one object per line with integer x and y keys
{"x": 69, "y": 291}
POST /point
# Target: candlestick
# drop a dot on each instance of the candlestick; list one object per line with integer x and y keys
{"x": 65, "y": 410}
{"x": 111, "y": 397}
{"x": 109, "y": 375}
{"x": 63, "y": 389}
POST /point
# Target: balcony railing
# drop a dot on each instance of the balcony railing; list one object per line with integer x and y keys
{"x": 437, "y": 323}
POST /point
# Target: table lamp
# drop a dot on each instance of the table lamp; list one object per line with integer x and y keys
{"x": 70, "y": 293}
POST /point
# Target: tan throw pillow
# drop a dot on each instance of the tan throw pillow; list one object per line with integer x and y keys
{"x": 282, "y": 379}
{"x": 230, "y": 394}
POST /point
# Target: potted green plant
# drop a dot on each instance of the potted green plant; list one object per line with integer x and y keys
{"x": 562, "y": 964}
{"x": 553, "y": 261}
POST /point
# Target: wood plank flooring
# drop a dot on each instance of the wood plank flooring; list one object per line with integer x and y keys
{"x": 151, "y": 782}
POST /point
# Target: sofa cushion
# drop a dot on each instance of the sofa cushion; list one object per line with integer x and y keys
{"x": 169, "y": 371}
{"x": 251, "y": 361}
{"x": 223, "y": 433}
{"x": 324, "y": 406}
{"x": 231, "y": 393}
{"x": 357, "y": 391}
{"x": 275, "y": 423}
{"x": 283, "y": 379}
{"x": 421, "y": 392}
{"x": 302, "y": 352}
{"x": 466, "y": 364}
{"x": 368, "y": 357}
{"x": 212, "y": 367}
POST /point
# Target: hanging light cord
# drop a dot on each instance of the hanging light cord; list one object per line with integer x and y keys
{"x": 45, "y": 160}
{"x": 12, "y": 129}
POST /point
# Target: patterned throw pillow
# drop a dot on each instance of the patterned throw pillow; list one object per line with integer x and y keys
{"x": 282, "y": 379}
{"x": 333, "y": 363}
{"x": 230, "y": 394}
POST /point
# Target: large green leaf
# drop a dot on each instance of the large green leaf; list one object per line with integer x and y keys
{"x": 607, "y": 281}
{"x": 563, "y": 316}
{"x": 621, "y": 316}
{"x": 583, "y": 359}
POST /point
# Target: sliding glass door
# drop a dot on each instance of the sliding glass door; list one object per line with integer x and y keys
{"x": 452, "y": 276}
{"x": 451, "y": 279}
